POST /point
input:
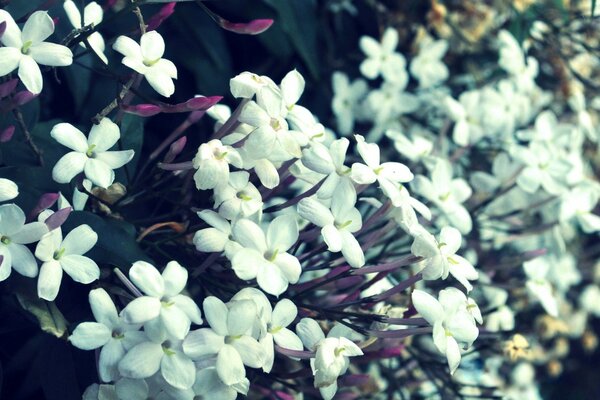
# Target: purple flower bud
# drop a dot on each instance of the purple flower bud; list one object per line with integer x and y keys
{"x": 46, "y": 201}
{"x": 157, "y": 19}
{"x": 354, "y": 380}
{"x": 8, "y": 87}
{"x": 175, "y": 149}
{"x": 7, "y": 134}
{"x": 253, "y": 27}
{"x": 23, "y": 97}
{"x": 143, "y": 110}
{"x": 202, "y": 103}
{"x": 58, "y": 218}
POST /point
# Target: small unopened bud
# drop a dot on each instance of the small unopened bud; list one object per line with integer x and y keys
{"x": 46, "y": 201}
{"x": 7, "y": 134}
{"x": 253, "y": 27}
{"x": 58, "y": 218}
{"x": 157, "y": 19}
{"x": 143, "y": 110}
{"x": 23, "y": 97}
{"x": 175, "y": 149}
{"x": 8, "y": 87}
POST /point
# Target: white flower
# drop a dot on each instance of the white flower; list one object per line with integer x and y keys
{"x": 538, "y": 285}
{"x": 92, "y": 15}
{"x": 346, "y": 99}
{"x": 283, "y": 315}
{"x": 26, "y": 49}
{"x": 14, "y": 235}
{"x": 428, "y": 66}
{"x": 163, "y": 304}
{"x": 339, "y": 224}
{"x": 237, "y": 197}
{"x": 578, "y": 204}
{"x": 58, "y": 255}
{"x": 8, "y": 189}
{"x": 544, "y": 166}
{"x": 451, "y": 323}
{"x": 90, "y": 155}
{"x": 217, "y": 238}
{"x": 209, "y": 386}
{"x": 227, "y": 339}
{"x": 441, "y": 257}
{"x": 212, "y": 164}
{"x": 264, "y": 256}
{"x": 328, "y": 161}
{"x": 389, "y": 175}
{"x": 110, "y": 333}
{"x": 146, "y": 58}
{"x": 382, "y": 58}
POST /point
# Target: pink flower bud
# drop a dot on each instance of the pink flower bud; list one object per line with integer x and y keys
{"x": 58, "y": 218}
{"x": 157, "y": 19}
{"x": 8, "y": 87}
{"x": 46, "y": 201}
{"x": 7, "y": 134}
{"x": 23, "y": 97}
{"x": 143, "y": 110}
{"x": 253, "y": 27}
{"x": 175, "y": 149}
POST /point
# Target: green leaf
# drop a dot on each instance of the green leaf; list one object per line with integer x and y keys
{"x": 299, "y": 20}
{"x": 48, "y": 315}
{"x": 132, "y": 137}
{"x": 116, "y": 239}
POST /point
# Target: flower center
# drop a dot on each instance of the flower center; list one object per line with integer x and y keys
{"x": 338, "y": 351}
{"x": 231, "y": 339}
{"x": 59, "y": 253}
{"x": 271, "y": 255}
{"x": 149, "y": 63}
{"x": 243, "y": 196}
{"x": 343, "y": 225}
{"x": 5, "y": 240}
{"x": 166, "y": 347}
{"x": 90, "y": 151}
{"x": 117, "y": 334}
{"x": 26, "y": 46}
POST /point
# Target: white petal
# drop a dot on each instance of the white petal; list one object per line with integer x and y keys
{"x": 116, "y": 159}
{"x": 175, "y": 321}
{"x": 110, "y": 356}
{"x": 362, "y": 174}
{"x": 90, "y": 335}
{"x": 9, "y": 59}
{"x": 153, "y": 46}
{"x": 315, "y": 212}
{"x": 51, "y": 54}
{"x": 230, "y": 366}
{"x": 104, "y": 135}
{"x": 216, "y": 313}
{"x": 69, "y": 136}
{"x": 142, "y": 361}
{"x": 103, "y": 308}
{"x": 453, "y": 354}
{"x": 131, "y": 389}
{"x": 30, "y": 74}
{"x": 68, "y": 166}
{"x": 250, "y": 235}
{"x": 351, "y": 250}
{"x": 39, "y": 27}
{"x": 81, "y": 269}
{"x": 178, "y": 370}
{"x": 141, "y": 309}
{"x": 12, "y": 33}
{"x": 189, "y": 307}
{"x": 72, "y": 13}
{"x": 49, "y": 280}
{"x": 12, "y": 219}
{"x": 332, "y": 237}
{"x": 202, "y": 342}
{"x": 99, "y": 173}
{"x": 30, "y": 233}
{"x": 147, "y": 278}
{"x": 282, "y": 233}
{"x": 241, "y": 316}
{"x": 80, "y": 240}
{"x": 250, "y": 351}
{"x": 267, "y": 173}
{"x": 246, "y": 263}
{"x": 427, "y": 306}
{"x": 284, "y": 313}
{"x": 272, "y": 280}
{"x": 210, "y": 240}
{"x": 128, "y": 47}
{"x": 161, "y": 82}
{"x": 175, "y": 278}
{"x": 292, "y": 86}
{"x": 8, "y": 189}
{"x": 309, "y": 332}
{"x": 22, "y": 260}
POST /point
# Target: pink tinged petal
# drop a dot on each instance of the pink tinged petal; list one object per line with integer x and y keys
{"x": 202, "y": 342}
{"x": 68, "y": 166}
{"x": 161, "y": 82}
{"x": 230, "y": 366}
{"x": 216, "y": 313}
{"x": 103, "y": 308}
{"x": 427, "y": 306}
{"x": 12, "y": 219}
{"x": 282, "y": 233}
{"x": 80, "y": 240}
{"x": 332, "y": 238}
{"x": 241, "y": 316}
{"x": 81, "y": 269}
{"x": 30, "y": 233}
{"x": 110, "y": 355}
{"x": 69, "y": 136}
{"x": 178, "y": 370}
{"x": 175, "y": 321}
{"x": 104, "y": 135}
{"x": 38, "y": 27}
{"x": 175, "y": 278}
{"x": 284, "y": 313}
{"x": 23, "y": 261}
{"x": 315, "y": 212}
{"x": 141, "y": 309}
{"x": 250, "y": 351}
{"x": 128, "y": 47}
{"x": 90, "y": 335}
{"x": 12, "y": 34}
{"x": 362, "y": 174}
{"x": 271, "y": 279}
{"x": 189, "y": 307}
{"x": 253, "y": 27}
{"x": 152, "y": 45}
{"x": 49, "y": 280}
{"x": 9, "y": 60}
{"x": 99, "y": 173}
{"x": 142, "y": 361}
{"x": 351, "y": 250}
{"x": 116, "y": 159}
{"x": 30, "y": 74}
{"x": 51, "y": 54}
{"x": 147, "y": 278}
{"x": 290, "y": 266}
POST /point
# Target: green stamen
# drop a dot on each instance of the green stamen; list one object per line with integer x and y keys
{"x": 26, "y": 46}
